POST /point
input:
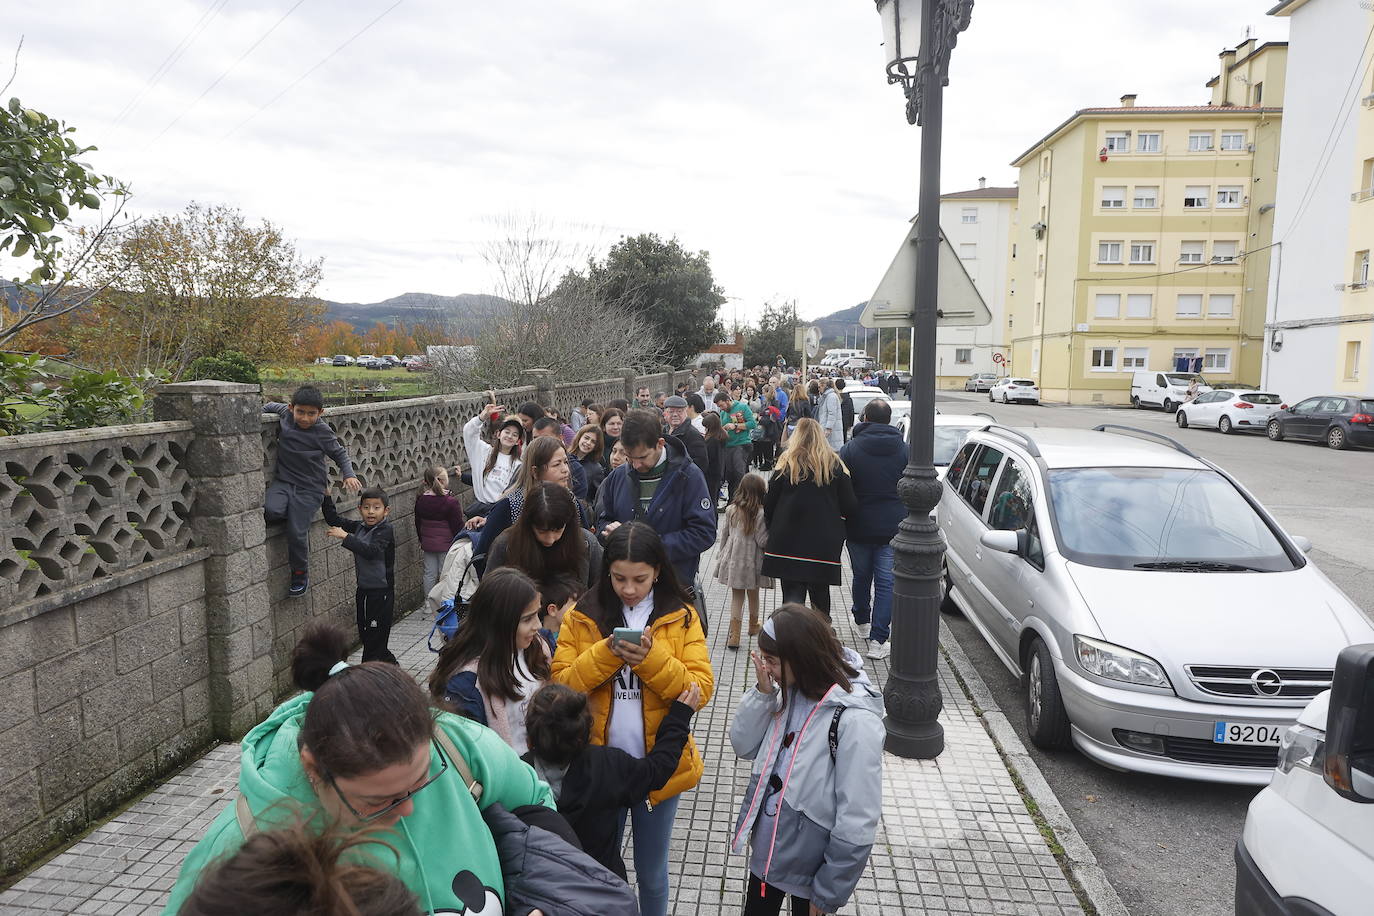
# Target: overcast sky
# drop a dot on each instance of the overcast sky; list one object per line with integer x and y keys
{"x": 763, "y": 133}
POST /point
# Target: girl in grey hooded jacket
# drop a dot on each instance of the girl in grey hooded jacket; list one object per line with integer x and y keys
{"x": 809, "y": 814}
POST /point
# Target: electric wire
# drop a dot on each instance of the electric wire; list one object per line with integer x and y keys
{"x": 171, "y": 59}
{"x": 1240, "y": 256}
{"x": 298, "y": 80}
{"x": 230, "y": 69}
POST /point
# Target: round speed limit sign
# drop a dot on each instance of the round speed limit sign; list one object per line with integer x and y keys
{"x": 998, "y": 358}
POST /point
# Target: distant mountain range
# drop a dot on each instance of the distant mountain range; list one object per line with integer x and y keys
{"x": 465, "y": 313}
{"x": 837, "y": 325}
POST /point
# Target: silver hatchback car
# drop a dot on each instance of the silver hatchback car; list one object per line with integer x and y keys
{"x": 1161, "y": 620}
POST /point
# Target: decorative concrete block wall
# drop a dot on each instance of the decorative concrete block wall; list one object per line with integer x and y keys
{"x": 143, "y": 606}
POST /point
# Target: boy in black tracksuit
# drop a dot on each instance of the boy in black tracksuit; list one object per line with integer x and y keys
{"x": 374, "y": 557}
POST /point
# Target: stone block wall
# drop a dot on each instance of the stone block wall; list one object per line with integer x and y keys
{"x": 143, "y": 606}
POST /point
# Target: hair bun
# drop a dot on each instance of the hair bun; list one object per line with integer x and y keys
{"x": 322, "y": 647}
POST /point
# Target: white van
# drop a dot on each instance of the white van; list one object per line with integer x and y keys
{"x": 837, "y": 357}
{"x": 1166, "y": 390}
{"x": 1307, "y": 848}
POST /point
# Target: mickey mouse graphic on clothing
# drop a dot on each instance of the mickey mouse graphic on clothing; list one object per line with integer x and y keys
{"x": 476, "y": 898}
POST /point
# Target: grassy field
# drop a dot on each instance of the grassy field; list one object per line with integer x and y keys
{"x": 344, "y": 384}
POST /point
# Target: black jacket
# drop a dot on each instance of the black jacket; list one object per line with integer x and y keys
{"x": 876, "y": 456}
{"x": 806, "y": 527}
{"x": 695, "y": 442}
{"x": 603, "y": 780}
{"x": 846, "y": 411}
{"x": 373, "y": 547}
{"x": 595, "y": 472}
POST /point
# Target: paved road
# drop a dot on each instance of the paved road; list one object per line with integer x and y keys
{"x": 1166, "y": 843}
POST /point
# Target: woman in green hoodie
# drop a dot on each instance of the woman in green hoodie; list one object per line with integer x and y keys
{"x": 363, "y": 746}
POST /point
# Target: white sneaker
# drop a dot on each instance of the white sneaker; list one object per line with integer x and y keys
{"x": 879, "y": 650}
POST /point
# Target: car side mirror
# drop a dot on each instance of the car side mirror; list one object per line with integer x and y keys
{"x": 1001, "y": 541}
{"x": 1302, "y": 543}
{"x": 1349, "y": 764}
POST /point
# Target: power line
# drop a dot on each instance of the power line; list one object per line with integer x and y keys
{"x": 1241, "y": 256}
{"x": 230, "y": 69}
{"x": 298, "y": 80}
{"x": 171, "y": 59}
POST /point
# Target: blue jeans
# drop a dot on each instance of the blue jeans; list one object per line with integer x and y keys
{"x": 651, "y": 831}
{"x": 872, "y": 568}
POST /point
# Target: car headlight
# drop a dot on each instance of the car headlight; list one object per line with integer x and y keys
{"x": 1117, "y": 664}
{"x": 1302, "y": 746}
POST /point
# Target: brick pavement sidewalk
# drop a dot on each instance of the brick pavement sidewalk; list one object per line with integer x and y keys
{"x": 955, "y": 837}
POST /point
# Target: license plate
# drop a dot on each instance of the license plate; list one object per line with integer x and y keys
{"x": 1241, "y": 733}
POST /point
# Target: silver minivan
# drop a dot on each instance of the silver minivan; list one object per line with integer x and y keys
{"x": 1160, "y": 618}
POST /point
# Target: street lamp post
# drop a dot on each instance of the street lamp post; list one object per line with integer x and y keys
{"x": 918, "y": 36}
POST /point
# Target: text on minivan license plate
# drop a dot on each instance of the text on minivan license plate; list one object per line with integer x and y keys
{"x": 1240, "y": 733}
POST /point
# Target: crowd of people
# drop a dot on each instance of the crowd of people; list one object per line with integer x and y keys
{"x": 570, "y": 683}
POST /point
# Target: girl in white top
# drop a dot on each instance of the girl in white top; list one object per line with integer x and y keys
{"x": 496, "y": 662}
{"x": 494, "y": 468}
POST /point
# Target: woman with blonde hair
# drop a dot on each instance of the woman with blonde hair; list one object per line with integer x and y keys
{"x": 809, "y": 497}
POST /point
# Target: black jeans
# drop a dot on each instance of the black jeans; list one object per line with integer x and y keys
{"x": 375, "y": 606}
{"x": 794, "y": 591}
{"x": 766, "y": 900}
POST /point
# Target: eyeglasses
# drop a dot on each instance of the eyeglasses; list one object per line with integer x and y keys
{"x": 396, "y": 802}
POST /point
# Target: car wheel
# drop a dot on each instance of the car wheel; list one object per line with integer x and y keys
{"x": 1046, "y": 721}
{"x": 991, "y": 399}
{"x": 1135, "y": 401}
{"x": 1224, "y": 425}
{"x": 1181, "y": 419}
{"x": 1168, "y": 406}
{"x": 947, "y": 603}
{"x": 1004, "y": 398}
{"x": 1274, "y": 431}
{"x": 1335, "y": 438}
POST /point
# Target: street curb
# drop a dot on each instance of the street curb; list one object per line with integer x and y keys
{"x": 1079, "y": 859}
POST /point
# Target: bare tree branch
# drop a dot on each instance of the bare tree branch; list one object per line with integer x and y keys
{"x": 15, "y": 72}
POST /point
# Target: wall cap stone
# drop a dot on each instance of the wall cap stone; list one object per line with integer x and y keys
{"x": 68, "y": 596}
{"x": 93, "y": 434}
{"x": 206, "y": 386}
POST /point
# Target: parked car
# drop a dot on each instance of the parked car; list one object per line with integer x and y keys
{"x": 1015, "y": 389}
{"x": 417, "y": 364}
{"x": 859, "y": 362}
{"x": 980, "y": 381}
{"x": 343, "y": 359}
{"x": 951, "y": 430}
{"x": 1165, "y": 390}
{"x": 1339, "y": 420}
{"x": 410, "y": 358}
{"x": 1307, "y": 847}
{"x": 1229, "y": 411}
{"x": 392, "y": 359}
{"x": 1161, "y": 619}
{"x": 324, "y": 360}
{"x": 860, "y": 395}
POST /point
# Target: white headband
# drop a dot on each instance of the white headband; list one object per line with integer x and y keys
{"x": 768, "y": 629}
{"x": 338, "y": 666}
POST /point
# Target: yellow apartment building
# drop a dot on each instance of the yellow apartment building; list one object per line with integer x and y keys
{"x": 1137, "y": 234}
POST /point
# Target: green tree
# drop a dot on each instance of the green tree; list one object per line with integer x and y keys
{"x": 775, "y": 334}
{"x": 672, "y": 288}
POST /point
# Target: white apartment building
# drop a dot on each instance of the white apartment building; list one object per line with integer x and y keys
{"x": 1319, "y": 331}
{"x": 978, "y": 224}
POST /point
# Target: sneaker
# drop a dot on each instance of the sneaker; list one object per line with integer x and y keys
{"x": 300, "y": 581}
{"x": 880, "y": 650}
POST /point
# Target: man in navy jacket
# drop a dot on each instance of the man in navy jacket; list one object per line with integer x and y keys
{"x": 659, "y": 485}
{"x": 876, "y": 457}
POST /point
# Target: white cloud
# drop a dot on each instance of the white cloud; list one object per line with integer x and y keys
{"x": 763, "y": 133}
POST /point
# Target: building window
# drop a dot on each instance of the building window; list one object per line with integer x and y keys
{"x": 1221, "y": 305}
{"x": 1362, "y": 267}
{"x": 963, "y": 355}
{"x": 1140, "y": 305}
{"x": 1195, "y": 197}
{"x": 1232, "y": 140}
{"x": 1352, "y": 360}
{"x": 1109, "y": 252}
{"x": 968, "y": 250}
{"x": 1217, "y": 361}
{"x": 1104, "y": 359}
{"x": 1135, "y": 358}
{"x": 1200, "y": 141}
{"x": 1229, "y": 196}
{"x": 1189, "y": 305}
{"x": 970, "y": 214}
{"x": 1367, "y": 181}
{"x": 1113, "y": 198}
{"x": 1142, "y": 252}
{"x": 1192, "y": 252}
{"x": 1147, "y": 142}
{"x": 1118, "y": 141}
{"x": 1146, "y": 197}
{"x": 1186, "y": 359}
{"x": 1108, "y": 305}
{"x": 1258, "y": 94}
{"x": 1225, "y": 252}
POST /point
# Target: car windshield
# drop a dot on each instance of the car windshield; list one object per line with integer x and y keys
{"x": 947, "y": 442}
{"x": 1185, "y": 378}
{"x": 1121, "y": 518}
{"x": 1254, "y": 397}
